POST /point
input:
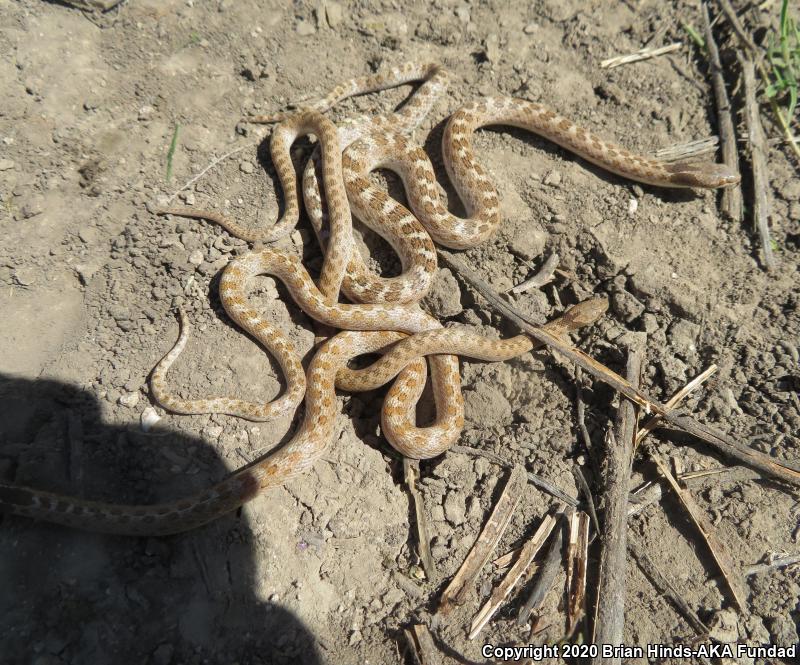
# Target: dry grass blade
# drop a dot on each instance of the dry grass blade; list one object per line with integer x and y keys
{"x": 513, "y": 576}
{"x": 774, "y": 563}
{"x": 683, "y": 152}
{"x": 764, "y": 463}
{"x": 641, "y": 54}
{"x": 718, "y": 551}
{"x": 455, "y": 593}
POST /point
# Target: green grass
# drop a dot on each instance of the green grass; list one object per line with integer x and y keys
{"x": 171, "y": 151}
{"x": 783, "y": 53}
{"x": 694, "y": 35}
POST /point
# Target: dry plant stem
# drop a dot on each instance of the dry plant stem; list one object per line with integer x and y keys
{"x": 684, "y": 151}
{"x": 641, "y": 54}
{"x": 411, "y": 473}
{"x": 422, "y": 647}
{"x": 726, "y": 566}
{"x": 652, "y": 493}
{"x": 610, "y": 609}
{"x": 778, "y": 562}
{"x": 547, "y": 575}
{"x": 736, "y": 24}
{"x": 664, "y": 586}
{"x": 533, "y": 479}
{"x": 541, "y": 278}
{"x": 673, "y": 401}
{"x": 456, "y": 591}
{"x": 193, "y": 180}
{"x": 587, "y": 492}
{"x": 731, "y": 196}
{"x": 764, "y": 463}
{"x": 758, "y": 161}
{"x": 576, "y": 569}
{"x": 513, "y": 576}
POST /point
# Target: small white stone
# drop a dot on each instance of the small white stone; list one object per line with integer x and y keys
{"x": 633, "y": 206}
{"x": 130, "y": 400}
{"x": 148, "y": 419}
{"x": 196, "y": 257}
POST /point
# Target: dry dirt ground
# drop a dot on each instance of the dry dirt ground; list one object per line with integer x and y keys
{"x": 325, "y": 569}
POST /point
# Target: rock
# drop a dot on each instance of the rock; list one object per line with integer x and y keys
{"x": 626, "y": 306}
{"x": 528, "y": 243}
{"x": 673, "y": 368}
{"x": 333, "y": 13}
{"x": 196, "y": 257}
{"x": 649, "y": 323}
{"x": 32, "y": 207}
{"x": 24, "y": 276}
{"x": 6, "y": 164}
{"x": 305, "y": 28}
{"x": 246, "y": 167}
{"x": 444, "y": 299}
{"x": 455, "y": 511}
{"x": 724, "y": 626}
{"x": 552, "y": 178}
{"x": 87, "y": 234}
{"x": 491, "y": 47}
{"x": 391, "y": 26}
{"x": 86, "y": 271}
{"x": 683, "y": 336}
{"x": 437, "y": 514}
{"x": 146, "y": 112}
{"x": 462, "y": 13}
{"x": 130, "y": 400}
{"x": 530, "y": 28}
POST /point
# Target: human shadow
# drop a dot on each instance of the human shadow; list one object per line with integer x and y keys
{"x": 80, "y": 597}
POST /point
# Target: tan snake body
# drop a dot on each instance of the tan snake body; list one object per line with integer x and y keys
{"x": 384, "y": 311}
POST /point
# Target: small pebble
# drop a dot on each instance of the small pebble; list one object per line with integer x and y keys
{"x": 305, "y": 28}
{"x": 333, "y": 13}
{"x": 246, "y": 167}
{"x": 148, "y": 419}
{"x": 196, "y": 257}
{"x": 130, "y": 400}
{"x": 6, "y": 164}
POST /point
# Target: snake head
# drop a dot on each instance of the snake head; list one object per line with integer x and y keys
{"x": 703, "y": 175}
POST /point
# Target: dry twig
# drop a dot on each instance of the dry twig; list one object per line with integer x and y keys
{"x": 610, "y": 608}
{"x": 577, "y": 553}
{"x": 731, "y": 196}
{"x": 541, "y": 278}
{"x": 456, "y": 591}
{"x": 718, "y": 550}
{"x": 758, "y": 161}
{"x": 764, "y": 463}
{"x": 513, "y": 576}
{"x": 547, "y": 576}
{"x": 641, "y": 54}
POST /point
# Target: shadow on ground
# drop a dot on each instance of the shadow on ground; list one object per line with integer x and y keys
{"x": 76, "y": 597}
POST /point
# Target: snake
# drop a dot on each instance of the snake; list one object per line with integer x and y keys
{"x": 383, "y": 315}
